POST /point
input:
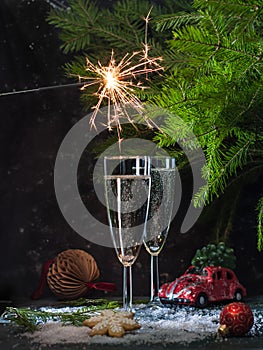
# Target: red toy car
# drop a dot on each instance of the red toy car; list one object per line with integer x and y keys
{"x": 195, "y": 288}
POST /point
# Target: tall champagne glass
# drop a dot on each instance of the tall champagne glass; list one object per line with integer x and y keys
{"x": 127, "y": 189}
{"x": 163, "y": 171}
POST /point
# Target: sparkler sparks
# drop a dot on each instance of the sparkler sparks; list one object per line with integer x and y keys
{"x": 117, "y": 83}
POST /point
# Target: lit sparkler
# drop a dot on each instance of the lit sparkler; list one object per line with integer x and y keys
{"x": 117, "y": 83}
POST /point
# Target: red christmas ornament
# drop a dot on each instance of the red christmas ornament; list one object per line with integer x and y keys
{"x": 236, "y": 319}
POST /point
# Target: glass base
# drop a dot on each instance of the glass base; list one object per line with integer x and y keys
{"x": 155, "y": 303}
{"x": 149, "y": 308}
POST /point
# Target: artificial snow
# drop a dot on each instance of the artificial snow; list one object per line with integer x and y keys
{"x": 161, "y": 326}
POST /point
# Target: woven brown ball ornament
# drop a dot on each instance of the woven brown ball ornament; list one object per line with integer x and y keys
{"x": 70, "y": 273}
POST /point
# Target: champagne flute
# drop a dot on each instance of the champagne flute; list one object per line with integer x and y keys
{"x": 163, "y": 172}
{"x": 127, "y": 191}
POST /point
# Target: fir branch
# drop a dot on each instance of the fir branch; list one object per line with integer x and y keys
{"x": 259, "y": 210}
{"x": 74, "y": 31}
{"x": 174, "y": 21}
{"x": 221, "y": 166}
{"x": 213, "y": 80}
{"x": 244, "y": 110}
{"x": 30, "y": 319}
{"x": 217, "y": 33}
{"x": 223, "y": 3}
{"x": 191, "y": 39}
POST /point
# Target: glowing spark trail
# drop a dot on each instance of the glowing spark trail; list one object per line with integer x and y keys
{"x": 117, "y": 83}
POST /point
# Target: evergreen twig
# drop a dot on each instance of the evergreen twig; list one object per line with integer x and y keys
{"x": 30, "y": 319}
{"x": 260, "y": 223}
{"x": 213, "y": 79}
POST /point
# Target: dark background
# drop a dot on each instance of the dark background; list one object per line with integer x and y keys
{"x": 32, "y": 127}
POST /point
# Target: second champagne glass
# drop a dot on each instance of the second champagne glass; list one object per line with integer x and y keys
{"x": 127, "y": 189}
{"x": 163, "y": 173}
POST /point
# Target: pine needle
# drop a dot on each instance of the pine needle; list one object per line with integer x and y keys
{"x": 29, "y": 319}
{"x": 260, "y": 224}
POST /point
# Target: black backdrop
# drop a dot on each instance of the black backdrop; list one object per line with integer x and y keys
{"x": 32, "y": 126}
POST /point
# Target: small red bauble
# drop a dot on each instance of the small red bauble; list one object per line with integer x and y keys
{"x": 236, "y": 319}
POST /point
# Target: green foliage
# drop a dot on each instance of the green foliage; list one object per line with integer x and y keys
{"x": 260, "y": 223}
{"x": 215, "y": 255}
{"x": 29, "y": 319}
{"x": 212, "y": 52}
{"x": 215, "y": 87}
{"x": 87, "y": 30}
{"x": 76, "y": 24}
{"x": 86, "y": 27}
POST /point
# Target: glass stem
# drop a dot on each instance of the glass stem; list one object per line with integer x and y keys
{"x": 154, "y": 278}
{"x": 130, "y": 289}
{"x": 127, "y": 288}
{"x": 124, "y": 292}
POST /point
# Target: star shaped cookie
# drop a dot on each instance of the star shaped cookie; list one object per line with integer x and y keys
{"x": 112, "y": 323}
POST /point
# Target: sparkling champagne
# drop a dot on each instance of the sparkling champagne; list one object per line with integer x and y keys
{"x": 127, "y": 199}
{"x": 160, "y": 210}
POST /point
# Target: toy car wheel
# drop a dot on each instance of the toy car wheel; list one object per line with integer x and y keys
{"x": 238, "y": 295}
{"x": 201, "y": 300}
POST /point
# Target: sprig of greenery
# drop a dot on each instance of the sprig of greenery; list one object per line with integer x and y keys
{"x": 30, "y": 319}
{"x": 214, "y": 255}
{"x": 215, "y": 87}
{"x": 260, "y": 223}
{"x": 213, "y": 56}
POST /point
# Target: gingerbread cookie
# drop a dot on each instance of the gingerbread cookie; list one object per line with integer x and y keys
{"x": 112, "y": 323}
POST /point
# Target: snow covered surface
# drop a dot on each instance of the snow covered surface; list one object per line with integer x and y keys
{"x": 165, "y": 327}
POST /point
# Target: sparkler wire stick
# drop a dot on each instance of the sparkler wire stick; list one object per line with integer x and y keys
{"x": 117, "y": 83}
{"x": 43, "y": 88}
